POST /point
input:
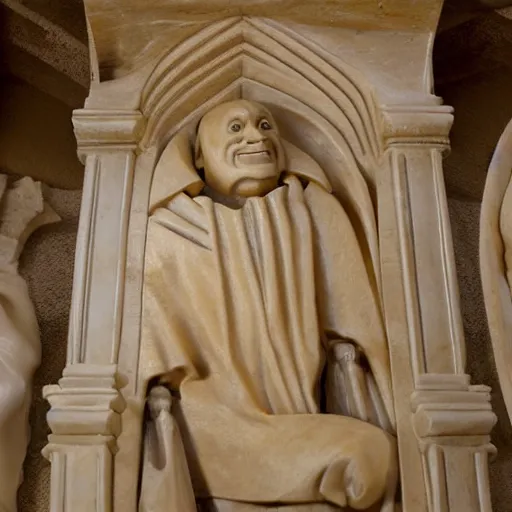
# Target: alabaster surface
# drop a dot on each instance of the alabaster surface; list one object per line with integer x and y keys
{"x": 267, "y": 279}
{"x": 496, "y": 259}
{"x": 22, "y": 210}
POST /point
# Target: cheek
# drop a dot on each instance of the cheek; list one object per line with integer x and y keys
{"x": 217, "y": 151}
{"x": 231, "y": 144}
{"x": 278, "y": 147}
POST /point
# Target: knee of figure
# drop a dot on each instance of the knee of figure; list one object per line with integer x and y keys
{"x": 360, "y": 478}
{"x": 368, "y": 473}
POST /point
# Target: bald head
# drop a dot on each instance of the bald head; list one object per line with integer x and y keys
{"x": 239, "y": 148}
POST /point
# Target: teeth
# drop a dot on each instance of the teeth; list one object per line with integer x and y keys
{"x": 256, "y": 153}
{"x": 254, "y": 157}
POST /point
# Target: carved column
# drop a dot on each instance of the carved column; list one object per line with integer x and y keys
{"x": 85, "y": 422}
{"x": 452, "y": 419}
{"x": 85, "y": 416}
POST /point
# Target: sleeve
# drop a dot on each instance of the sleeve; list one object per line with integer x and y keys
{"x": 169, "y": 321}
{"x": 347, "y": 302}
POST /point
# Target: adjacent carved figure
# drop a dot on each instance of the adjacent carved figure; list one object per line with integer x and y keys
{"x": 496, "y": 259}
{"x": 258, "y": 304}
{"x": 22, "y": 210}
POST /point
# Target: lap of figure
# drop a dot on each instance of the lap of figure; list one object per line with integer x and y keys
{"x": 234, "y": 506}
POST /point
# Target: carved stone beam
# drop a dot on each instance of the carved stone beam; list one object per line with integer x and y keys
{"x": 43, "y": 53}
{"x": 452, "y": 419}
{"x": 167, "y": 22}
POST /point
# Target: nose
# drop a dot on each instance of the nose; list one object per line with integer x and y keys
{"x": 252, "y": 134}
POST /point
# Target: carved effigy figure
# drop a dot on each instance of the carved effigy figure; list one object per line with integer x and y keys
{"x": 22, "y": 210}
{"x": 254, "y": 278}
{"x": 496, "y": 259}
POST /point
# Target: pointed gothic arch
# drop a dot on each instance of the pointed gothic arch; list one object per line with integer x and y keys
{"x": 328, "y": 111}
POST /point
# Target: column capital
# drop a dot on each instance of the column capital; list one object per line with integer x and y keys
{"x": 107, "y": 129}
{"x": 417, "y": 124}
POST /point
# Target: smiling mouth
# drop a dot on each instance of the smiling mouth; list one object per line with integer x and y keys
{"x": 254, "y": 157}
{"x": 254, "y": 152}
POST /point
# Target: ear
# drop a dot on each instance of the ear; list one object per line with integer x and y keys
{"x": 198, "y": 154}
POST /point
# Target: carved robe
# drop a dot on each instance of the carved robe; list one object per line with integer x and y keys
{"x": 239, "y": 308}
{"x": 20, "y": 355}
{"x": 22, "y": 211}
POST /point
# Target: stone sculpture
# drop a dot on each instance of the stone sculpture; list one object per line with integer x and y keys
{"x": 496, "y": 259}
{"x": 22, "y": 211}
{"x": 350, "y": 89}
{"x": 253, "y": 280}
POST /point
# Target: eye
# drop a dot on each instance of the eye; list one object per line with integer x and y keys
{"x": 265, "y": 125}
{"x": 235, "y": 127}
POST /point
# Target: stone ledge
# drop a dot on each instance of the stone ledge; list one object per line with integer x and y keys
{"x": 417, "y": 124}
{"x": 85, "y": 402}
{"x": 453, "y": 412}
{"x": 97, "y": 129}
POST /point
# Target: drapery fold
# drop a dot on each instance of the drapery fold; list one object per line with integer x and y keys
{"x": 238, "y": 326}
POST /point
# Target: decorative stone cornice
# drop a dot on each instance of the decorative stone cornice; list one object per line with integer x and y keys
{"x": 417, "y": 124}
{"x": 107, "y": 129}
{"x": 166, "y": 22}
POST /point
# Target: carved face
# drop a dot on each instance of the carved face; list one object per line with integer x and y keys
{"x": 240, "y": 150}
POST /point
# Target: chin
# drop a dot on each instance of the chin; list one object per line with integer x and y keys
{"x": 253, "y": 187}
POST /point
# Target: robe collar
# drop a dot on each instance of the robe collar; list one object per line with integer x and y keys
{"x": 175, "y": 171}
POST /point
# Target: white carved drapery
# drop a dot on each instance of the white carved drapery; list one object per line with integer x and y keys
{"x": 495, "y": 259}
{"x": 22, "y": 211}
